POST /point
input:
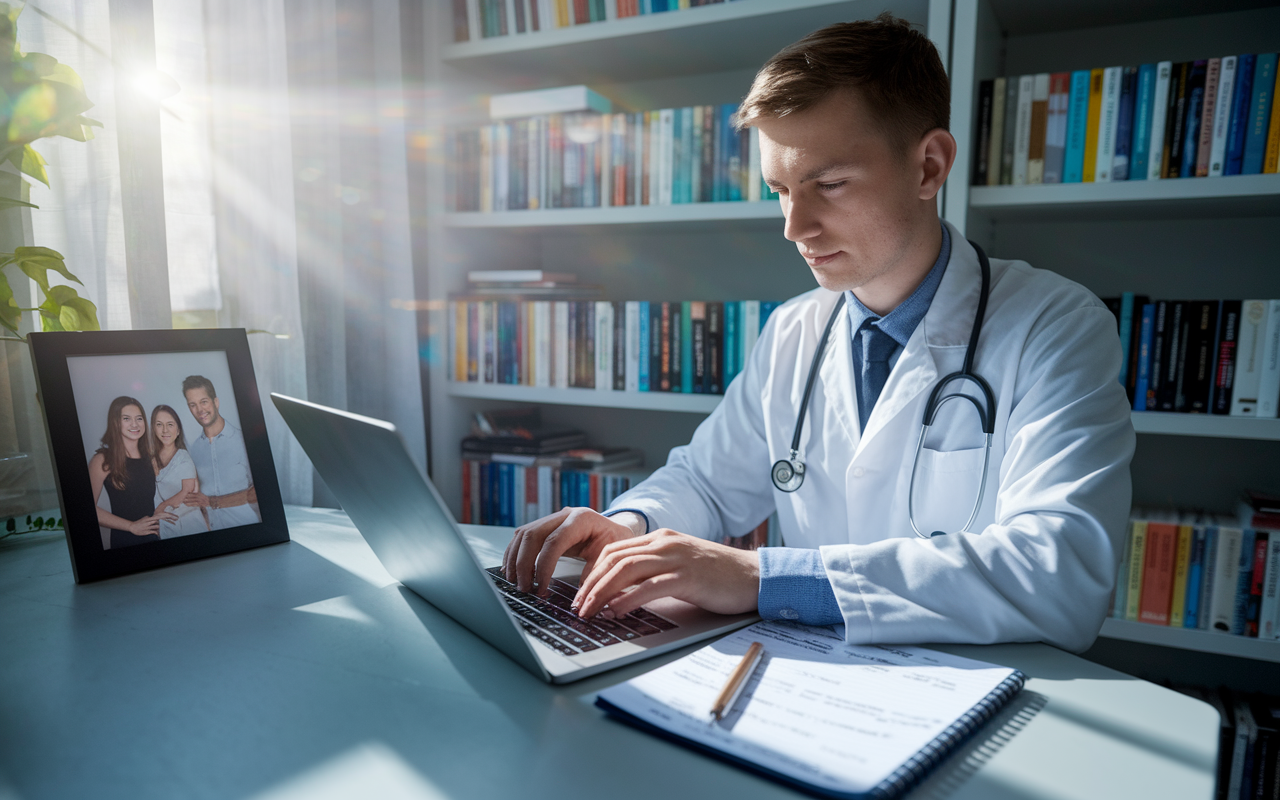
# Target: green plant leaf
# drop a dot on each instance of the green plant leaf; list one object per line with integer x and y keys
{"x": 10, "y": 314}
{"x": 39, "y": 523}
{"x": 48, "y": 523}
{"x": 39, "y": 63}
{"x": 9, "y": 202}
{"x": 36, "y": 262}
{"x": 60, "y": 298}
{"x": 27, "y": 160}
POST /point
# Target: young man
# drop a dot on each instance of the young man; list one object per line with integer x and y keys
{"x": 222, "y": 464}
{"x": 853, "y": 136}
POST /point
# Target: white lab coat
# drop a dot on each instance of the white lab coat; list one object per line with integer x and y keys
{"x": 1041, "y": 563}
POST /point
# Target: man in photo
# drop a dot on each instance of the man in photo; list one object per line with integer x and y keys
{"x": 222, "y": 464}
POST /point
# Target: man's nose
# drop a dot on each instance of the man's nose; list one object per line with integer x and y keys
{"x": 802, "y": 223}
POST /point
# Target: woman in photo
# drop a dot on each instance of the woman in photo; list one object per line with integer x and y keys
{"x": 175, "y": 475}
{"x": 123, "y": 466}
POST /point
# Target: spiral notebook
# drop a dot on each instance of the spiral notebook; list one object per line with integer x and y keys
{"x": 839, "y": 720}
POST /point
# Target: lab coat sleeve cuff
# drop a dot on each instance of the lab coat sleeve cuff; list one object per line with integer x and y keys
{"x": 794, "y": 586}
{"x": 843, "y": 574}
{"x": 648, "y": 524}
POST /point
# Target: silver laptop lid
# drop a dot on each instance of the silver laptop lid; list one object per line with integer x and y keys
{"x": 364, "y": 462}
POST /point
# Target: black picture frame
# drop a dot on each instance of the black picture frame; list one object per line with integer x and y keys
{"x": 90, "y": 560}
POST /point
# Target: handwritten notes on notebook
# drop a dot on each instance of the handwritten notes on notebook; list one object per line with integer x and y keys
{"x": 843, "y": 719}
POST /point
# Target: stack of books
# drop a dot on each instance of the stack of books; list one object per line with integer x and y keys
{"x": 1202, "y": 118}
{"x": 588, "y": 159}
{"x": 516, "y": 470}
{"x": 1202, "y": 571}
{"x": 482, "y": 19}
{"x": 1200, "y": 356}
{"x": 638, "y": 346}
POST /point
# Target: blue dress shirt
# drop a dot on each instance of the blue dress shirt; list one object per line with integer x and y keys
{"x": 793, "y": 581}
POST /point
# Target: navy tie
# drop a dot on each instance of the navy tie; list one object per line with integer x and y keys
{"x": 877, "y": 347}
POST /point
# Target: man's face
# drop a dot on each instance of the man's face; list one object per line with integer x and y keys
{"x": 203, "y": 407}
{"x": 852, "y": 200}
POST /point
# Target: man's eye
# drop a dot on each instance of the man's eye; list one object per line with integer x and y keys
{"x": 826, "y": 187}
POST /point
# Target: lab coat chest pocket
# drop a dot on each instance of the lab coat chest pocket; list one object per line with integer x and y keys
{"x": 946, "y": 486}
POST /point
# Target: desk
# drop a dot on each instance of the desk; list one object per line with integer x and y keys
{"x": 302, "y": 670}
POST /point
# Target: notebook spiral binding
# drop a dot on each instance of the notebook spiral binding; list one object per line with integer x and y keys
{"x": 919, "y": 765}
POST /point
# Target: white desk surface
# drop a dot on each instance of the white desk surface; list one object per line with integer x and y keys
{"x": 302, "y": 670}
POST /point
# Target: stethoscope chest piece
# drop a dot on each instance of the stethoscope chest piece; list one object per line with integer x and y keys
{"x": 788, "y": 473}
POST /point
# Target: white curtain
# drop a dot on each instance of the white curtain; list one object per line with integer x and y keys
{"x": 286, "y": 204}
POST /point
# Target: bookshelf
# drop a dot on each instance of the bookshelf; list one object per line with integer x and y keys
{"x": 1172, "y": 239}
{"x": 1175, "y": 239}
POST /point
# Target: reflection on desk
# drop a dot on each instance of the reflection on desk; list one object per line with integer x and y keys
{"x": 302, "y": 670}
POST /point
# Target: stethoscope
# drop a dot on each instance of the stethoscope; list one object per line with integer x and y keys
{"x": 788, "y": 474}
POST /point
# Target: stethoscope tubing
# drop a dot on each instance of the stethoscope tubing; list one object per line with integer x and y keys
{"x": 788, "y": 474}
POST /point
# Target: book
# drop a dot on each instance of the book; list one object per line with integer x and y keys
{"x": 1225, "y": 368}
{"x": 1143, "y": 107}
{"x": 1205, "y": 144}
{"x": 1108, "y": 119}
{"x": 1190, "y": 135}
{"x": 995, "y": 148}
{"x": 1146, "y": 332}
{"x": 1093, "y": 126}
{"x": 1137, "y": 560}
{"x": 1039, "y": 126}
{"x": 1208, "y": 578}
{"x": 1120, "y": 160}
{"x": 1175, "y": 121}
{"x": 1055, "y": 141}
{"x": 1181, "y": 576}
{"x": 1119, "y": 594}
{"x": 982, "y": 142}
{"x": 1269, "y": 368}
{"x": 1159, "y": 117}
{"x": 897, "y": 711}
{"x": 1158, "y": 358}
{"x": 1077, "y": 127}
{"x": 1225, "y": 578}
{"x": 1173, "y": 357}
{"x": 1259, "y": 119}
{"x": 1239, "y": 125}
{"x": 1009, "y": 136}
{"x": 1257, "y": 574}
{"x": 1269, "y": 612}
{"x": 1244, "y": 577}
{"x": 1195, "y": 580}
{"x": 1022, "y": 129}
{"x": 1198, "y": 365}
{"x": 1222, "y": 106}
{"x": 1159, "y": 561}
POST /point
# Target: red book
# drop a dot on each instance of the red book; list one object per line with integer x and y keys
{"x": 581, "y": 11}
{"x": 1253, "y": 603}
{"x": 1157, "y": 573}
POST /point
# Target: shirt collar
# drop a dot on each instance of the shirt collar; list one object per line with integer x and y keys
{"x": 901, "y": 322}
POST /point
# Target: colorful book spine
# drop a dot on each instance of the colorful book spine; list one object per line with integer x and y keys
{"x": 1120, "y": 161}
{"x": 1259, "y": 120}
{"x": 1176, "y": 123}
{"x": 995, "y": 149}
{"x": 1243, "y": 579}
{"x": 1257, "y": 574}
{"x": 1238, "y": 128}
{"x": 643, "y": 358}
{"x": 1225, "y": 578}
{"x": 1056, "y": 127}
{"x": 1190, "y": 136}
{"x": 1195, "y": 579}
{"x": 1208, "y": 579}
{"x": 1222, "y": 116}
{"x": 1159, "y": 117}
{"x": 1077, "y": 127}
{"x": 1145, "y": 335}
{"x": 1126, "y": 335}
{"x": 1157, "y": 575}
{"x": 1096, "y": 79}
{"x": 1039, "y": 128}
{"x": 1269, "y": 613}
{"x": 1227, "y": 348}
{"x": 1181, "y": 576}
{"x": 1205, "y": 145}
{"x": 1137, "y": 558}
{"x": 1143, "y": 107}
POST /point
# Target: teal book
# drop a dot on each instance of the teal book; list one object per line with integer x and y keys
{"x": 1240, "y": 98}
{"x": 689, "y": 157}
{"x": 766, "y": 308}
{"x": 1255, "y": 135}
{"x": 1077, "y": 123}
{"x": 1144, "y": 357}
{"x": 1245, "y": 574}
{"x": 1143, "y": 109}
{"x": 686, "y": 349}
{"x": 1126, "y": 335}
{"x": 675, "y": 348}
{"x": 732, "y": 360}
{"x": 642, "y": 368}
{"x": 1195, "y": 574}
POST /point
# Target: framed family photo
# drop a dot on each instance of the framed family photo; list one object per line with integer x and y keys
{"x": 159, "y": 447}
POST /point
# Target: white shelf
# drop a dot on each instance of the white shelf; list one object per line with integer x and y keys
{"x": 1210, "y": 425}
{"x": 644, "y": 401}
{"x": 746, "y": 33}
{"x": 1204, "y": 641}
{"x": 680, "y": 214}
{"x": 1232, "y": 196}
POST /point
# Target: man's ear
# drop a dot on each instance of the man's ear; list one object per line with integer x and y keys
{"x": 935, "y": 154}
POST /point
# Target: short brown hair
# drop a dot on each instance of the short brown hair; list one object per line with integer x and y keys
{"x": 896, "y": 69}
{"x": 198, "y": 382}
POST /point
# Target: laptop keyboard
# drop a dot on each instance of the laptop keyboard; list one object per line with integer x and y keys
{"x": 550, "y": 621}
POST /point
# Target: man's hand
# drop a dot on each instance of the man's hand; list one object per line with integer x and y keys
{"x": 630, "y": 573}
{"x": 198, "y": 499}
{"x": 535, "y": 548}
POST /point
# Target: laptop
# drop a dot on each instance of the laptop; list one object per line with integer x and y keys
{"x": 400, "y": 514}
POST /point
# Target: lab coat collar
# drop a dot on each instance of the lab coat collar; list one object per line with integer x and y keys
{"x": 946, "y": 324}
